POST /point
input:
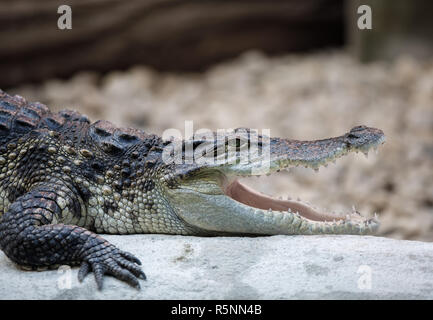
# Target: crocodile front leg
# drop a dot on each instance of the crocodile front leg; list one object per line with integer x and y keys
{"x": 30, "y": 236}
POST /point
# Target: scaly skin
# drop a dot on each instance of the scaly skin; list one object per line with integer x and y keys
{"x": 64, "y": 179}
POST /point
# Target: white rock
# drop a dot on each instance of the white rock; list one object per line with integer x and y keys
{"x": 278, "y": 267}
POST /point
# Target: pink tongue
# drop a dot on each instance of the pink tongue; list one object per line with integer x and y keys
{"x": 241, "y": 193}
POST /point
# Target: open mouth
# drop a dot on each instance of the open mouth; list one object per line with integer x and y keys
{"x": 246, "y": 195}
{"x": 252, "y": 198}
{"x": 265, "y": 204}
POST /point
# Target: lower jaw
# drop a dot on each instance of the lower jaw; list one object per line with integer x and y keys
{"x": 308, "y": 219}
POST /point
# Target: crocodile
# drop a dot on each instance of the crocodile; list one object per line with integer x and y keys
{"x": 64, "y": 180}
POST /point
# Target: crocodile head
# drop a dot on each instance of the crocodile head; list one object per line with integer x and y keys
{"x": 205, "y": 192}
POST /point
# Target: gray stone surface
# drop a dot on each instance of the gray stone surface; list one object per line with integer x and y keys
{"x": 278, "y": 267}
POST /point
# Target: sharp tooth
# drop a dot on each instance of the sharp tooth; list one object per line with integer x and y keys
{"x": 353, "y": 208}
{"x": 365, "y": 154}
{"x": 347, "y": 217}
{"x": 280, "y": 198}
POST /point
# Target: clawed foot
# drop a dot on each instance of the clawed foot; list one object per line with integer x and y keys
{"x": 110, "y": 260}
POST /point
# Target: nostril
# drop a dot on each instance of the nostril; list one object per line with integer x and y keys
{"x": 358, "y": 128}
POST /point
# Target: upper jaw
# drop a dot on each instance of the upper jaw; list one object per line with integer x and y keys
{"x": 283, "y": 154}
{"x": 277, "y": 154}
{"x": 267, "y": 155}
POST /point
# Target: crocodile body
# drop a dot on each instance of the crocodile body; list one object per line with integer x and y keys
{"x": 64, "y": 180}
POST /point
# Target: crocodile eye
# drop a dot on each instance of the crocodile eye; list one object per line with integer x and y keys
{"x": 196, "y": 144}
{"x": 352, "y": 136}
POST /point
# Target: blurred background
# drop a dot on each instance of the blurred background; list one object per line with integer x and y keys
{"x": 301, "y": 68}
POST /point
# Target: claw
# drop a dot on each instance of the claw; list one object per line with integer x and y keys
{"x": 99, "y": 271}
{"x": 84, "y": 270}
{"x": 130, "y": 257}
{"x": 142, "y": 275}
